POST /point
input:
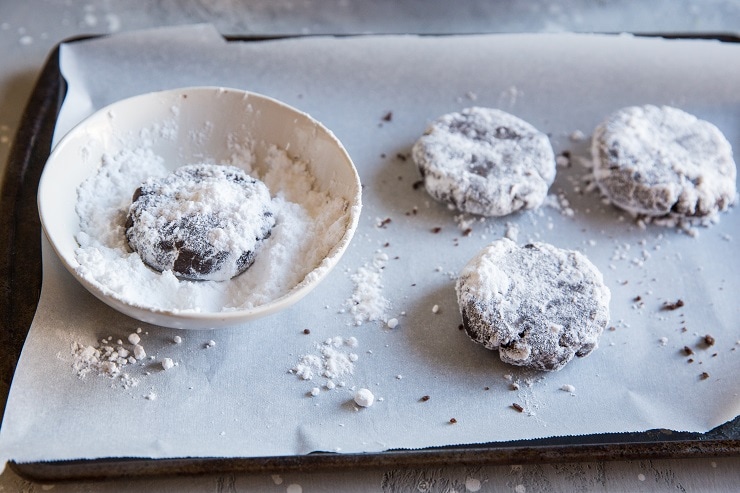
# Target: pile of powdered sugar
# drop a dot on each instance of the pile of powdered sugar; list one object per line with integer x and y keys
{"x": 333, "y": 361}
{"x": 367, "y": 303}
{"x": 109, "y": 358}
{"x": 309, "y": 223}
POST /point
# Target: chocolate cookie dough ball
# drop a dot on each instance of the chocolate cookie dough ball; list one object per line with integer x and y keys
{"x": 485, "y": 161}
{"x": 661, "y": 161}
{"x": 202, "y": 222}
{"x": 538, "y": 305}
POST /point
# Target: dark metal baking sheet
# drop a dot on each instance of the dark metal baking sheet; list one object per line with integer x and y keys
{"x": 20, "y": 286}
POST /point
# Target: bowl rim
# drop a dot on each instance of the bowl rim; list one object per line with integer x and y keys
{"x": 187, "y": 318}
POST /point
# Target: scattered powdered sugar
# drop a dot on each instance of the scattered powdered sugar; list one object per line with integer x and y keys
{"x": 512, "y": 232}
{"x": 577, "y": 136}
{"x": 560, "y": 203}
{"x": 309, "y": 222}
{"x": 367, "y": 303}
{"x": 364, "y": 398}
{"x": 568, "y": 388}
{"x": 109, "y": 359}
{"x": 333, "y": 360}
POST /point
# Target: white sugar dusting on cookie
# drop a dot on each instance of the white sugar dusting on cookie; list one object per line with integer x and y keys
{"x": 664, "y": 164}
{"x": 538, "y": 305}
{"x": 485, "y": 161}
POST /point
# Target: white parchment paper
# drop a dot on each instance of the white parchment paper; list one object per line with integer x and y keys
{"x": 238, "y": 398}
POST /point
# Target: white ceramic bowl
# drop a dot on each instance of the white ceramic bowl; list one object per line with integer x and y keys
{"x": 184, "y": 126}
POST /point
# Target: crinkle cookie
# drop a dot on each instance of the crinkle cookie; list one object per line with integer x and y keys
{"x": 485, "y": 161}
{"x": 537, "y": 304}
{"x": 660, "y": 161}
{"x": 202, "y": 222}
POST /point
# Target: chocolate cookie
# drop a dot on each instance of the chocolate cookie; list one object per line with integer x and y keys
{"x": 660, "y": 161}
{"x": 537, "y": 304}
{"x": 485, "y": 161}
{"x": 202, "y": 222}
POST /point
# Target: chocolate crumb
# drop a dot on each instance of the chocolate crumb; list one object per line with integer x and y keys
{"x": 709, "y": 340}
{"x": 612, "y": 328}
{"x": 518, "y": 407}
{"x": 467, "y": 231}
{"x": 637, "y": 298}
{"x": 386, "y": 244}
{"x": 704, "y": 376}
{"x": 453, "y": 421}
{"x": 690, "y": 360}
{"x": 400, "y": 157}
{"x": 436, "y": 229}
{"x": 424, "y": 398}
{"x": 384, "y": 222}
{"x": 383, "y": 156}
{"x": 461, "y": 327}
{"x": 306, "y": 331}
{"x": 688, "y": 351}
{"x": 417, "y": 184}
{"x": 486, "y": 388}
{"x": 388, "y": 116}
{"x": 714, "y": 355}
{"x": 672, "y": 306}
{"x": 514, "y": 386}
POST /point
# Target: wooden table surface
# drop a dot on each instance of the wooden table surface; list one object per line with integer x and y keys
{"x": 30, "y": 29}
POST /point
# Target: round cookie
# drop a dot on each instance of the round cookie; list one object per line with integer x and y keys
{"x": 537, "y": 304}
{"x": 202, "y": 222}
{"x": 661, "y": 161}
{"x": 485, "y": 161}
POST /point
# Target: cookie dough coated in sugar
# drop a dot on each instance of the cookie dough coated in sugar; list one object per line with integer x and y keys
{"x": 537, "y": 304}
{"x": 485, "y": 161}
{"x": 202, "y": 222}
{"x": 661, "y": 161}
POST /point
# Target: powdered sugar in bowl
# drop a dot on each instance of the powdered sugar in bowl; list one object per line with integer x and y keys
{"x": 91, "y": 176}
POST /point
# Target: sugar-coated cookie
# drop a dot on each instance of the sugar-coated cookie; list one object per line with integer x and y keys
{"x": 202, "y": 222}
{"x": 485, "y": 161}
{"x": 538, "y": 305}
{"x": 662, "y": 161}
